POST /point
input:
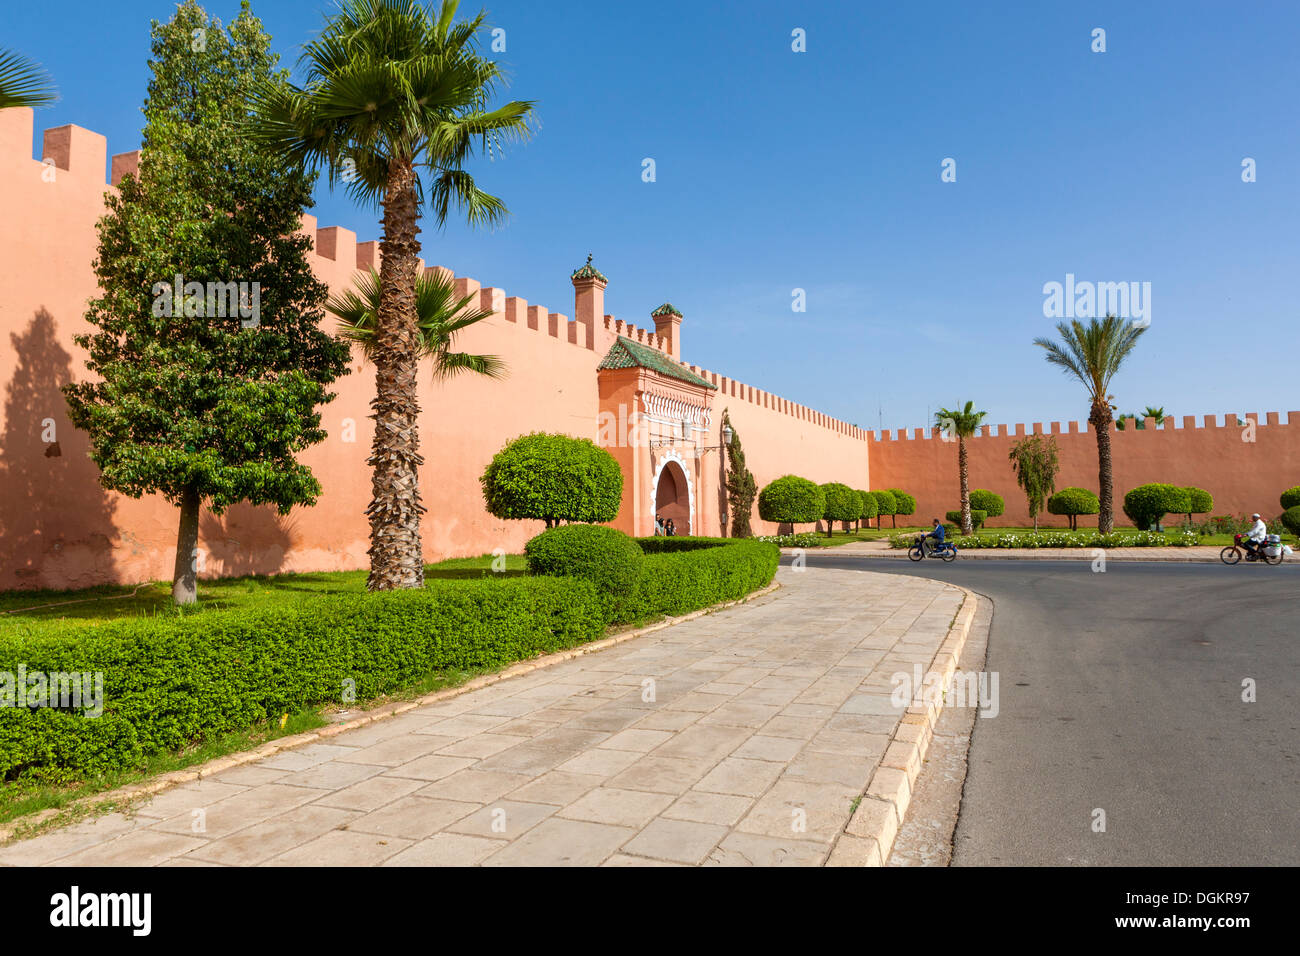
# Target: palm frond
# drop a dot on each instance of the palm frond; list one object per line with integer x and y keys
{"x": 24, "y": 82}
{"x": 440, "y": 315}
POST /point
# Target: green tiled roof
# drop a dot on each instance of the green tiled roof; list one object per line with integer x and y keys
{"x": 589, "y": 272}
{"x": 628, "y": 354}
{"x": 666, "y": 309}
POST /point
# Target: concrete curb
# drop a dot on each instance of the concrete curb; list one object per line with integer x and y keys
{"x": 869, "y": 836}
{"x": 217, "y": 765}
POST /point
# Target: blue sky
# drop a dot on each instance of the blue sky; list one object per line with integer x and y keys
{"x": 820, "y": 170}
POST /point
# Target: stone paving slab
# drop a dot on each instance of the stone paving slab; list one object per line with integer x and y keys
{"x": 742, "y": 737}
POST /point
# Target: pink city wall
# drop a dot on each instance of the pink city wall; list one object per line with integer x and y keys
{"x": 60, "y": 529}
{"x": 1245, "y": 468}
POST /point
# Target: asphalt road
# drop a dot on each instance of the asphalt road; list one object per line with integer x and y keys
{"x": 1122, "y": 691}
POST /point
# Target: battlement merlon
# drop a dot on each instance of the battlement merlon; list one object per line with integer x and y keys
{"x": 1148, "y": 427}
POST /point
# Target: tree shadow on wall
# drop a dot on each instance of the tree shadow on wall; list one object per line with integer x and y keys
{"x": 56, "y": 519}
{"x": 246, "y": 539}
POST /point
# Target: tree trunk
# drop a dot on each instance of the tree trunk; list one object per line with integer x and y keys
{"x": 396, "y": 555}
{"x": 184, "y": 586}
{"x": 964, "y": 467}
{"x": 1100, "y": 420}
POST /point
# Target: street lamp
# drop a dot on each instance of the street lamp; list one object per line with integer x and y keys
{"x": 726, "y": 440}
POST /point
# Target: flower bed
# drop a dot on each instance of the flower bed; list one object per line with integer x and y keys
{"x": 1065, "y": 539}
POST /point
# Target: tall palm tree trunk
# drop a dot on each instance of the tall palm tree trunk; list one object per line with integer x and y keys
{"x": 963, "y": 466}
{"x": 396, "y": 556}
{"x": 1100, "y": 419}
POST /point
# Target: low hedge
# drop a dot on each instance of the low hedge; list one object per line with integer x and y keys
{"x": 676, "y": 581}
{"x": 977, "y": 517}
{"x": 662, "y": 544}
{"x": 168, "y": 682}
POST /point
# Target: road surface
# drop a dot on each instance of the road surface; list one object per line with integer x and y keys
{"x": 1122, "y": 693}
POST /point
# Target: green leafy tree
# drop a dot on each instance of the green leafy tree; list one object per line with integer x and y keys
{"x": 960, "y": 423}
{"x": 991, "y": 503}
{"x": 742, "y": 487}
{"x": 842, "y": 504}
{"x": 1146, "y": 505}
{"x": 553, "y": 478}
{"x": 23, "y": 82}
{"x": 792, "y": 500}
{"x": 1072, "y": 502}
{"x": 440, "y": 315}
{"x": 886, "y": 504}
{"x": 1093, "y": 354}
{"x": 904, "y": 504}
{"x": 395, "y": 104}
{"x": 1035, "y": 460}
{"x": 205, "y": 391}
{"x": 1199, "y": 502}
{"x": 869, "y": 508}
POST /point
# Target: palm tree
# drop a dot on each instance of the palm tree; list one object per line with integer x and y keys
{"x": 23, "y": 83}
{"x": 1157, "y": 415}
{"x": 439, "y": 316}
{"x": 963, "y": 423}
{"x": 395, "y": 102}
{"x": 1093, "y": 353}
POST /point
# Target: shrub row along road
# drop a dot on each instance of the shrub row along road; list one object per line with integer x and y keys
{"x": 1122, "y": 692}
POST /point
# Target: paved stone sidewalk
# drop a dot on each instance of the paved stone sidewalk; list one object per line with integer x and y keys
{"x": 738, "y": 738}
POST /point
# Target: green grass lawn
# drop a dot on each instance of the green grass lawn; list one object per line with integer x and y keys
{"x": 48, "y": 611}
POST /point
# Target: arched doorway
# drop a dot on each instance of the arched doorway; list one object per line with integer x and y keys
{"x": 673, "y": 497}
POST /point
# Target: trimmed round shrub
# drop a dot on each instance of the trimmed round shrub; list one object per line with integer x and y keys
{"x": 1291, "y": 498}
{"x": 977, "y": 517}
{"x": 869, "y": 507}
{"x": 1147, "y": 504}
{"x": 987, "y": 501}
{"x": 904, "y": 504}
{"x": 792, "y": 499}
{"x": 1073, "y": 502}
{"x": 607, "y": 558}
{"x": 842, "y": 504}
{"x": 554, "y": 478}
{"x": 886, "y": 505}
{"x": 1199, "y": 501}
{"x": 1291, "y": 520}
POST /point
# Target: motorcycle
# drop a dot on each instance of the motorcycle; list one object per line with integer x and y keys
{"x": 947, "y": 550}
{"x": 1237, "y": 550}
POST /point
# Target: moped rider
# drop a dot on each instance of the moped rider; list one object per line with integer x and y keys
{"x": 1256, "y": 537}
{"x": 936, "y": 533}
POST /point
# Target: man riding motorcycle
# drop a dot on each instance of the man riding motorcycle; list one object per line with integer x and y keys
{"x": 1255, "y": 538}
{"x": 936, "y": 533}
